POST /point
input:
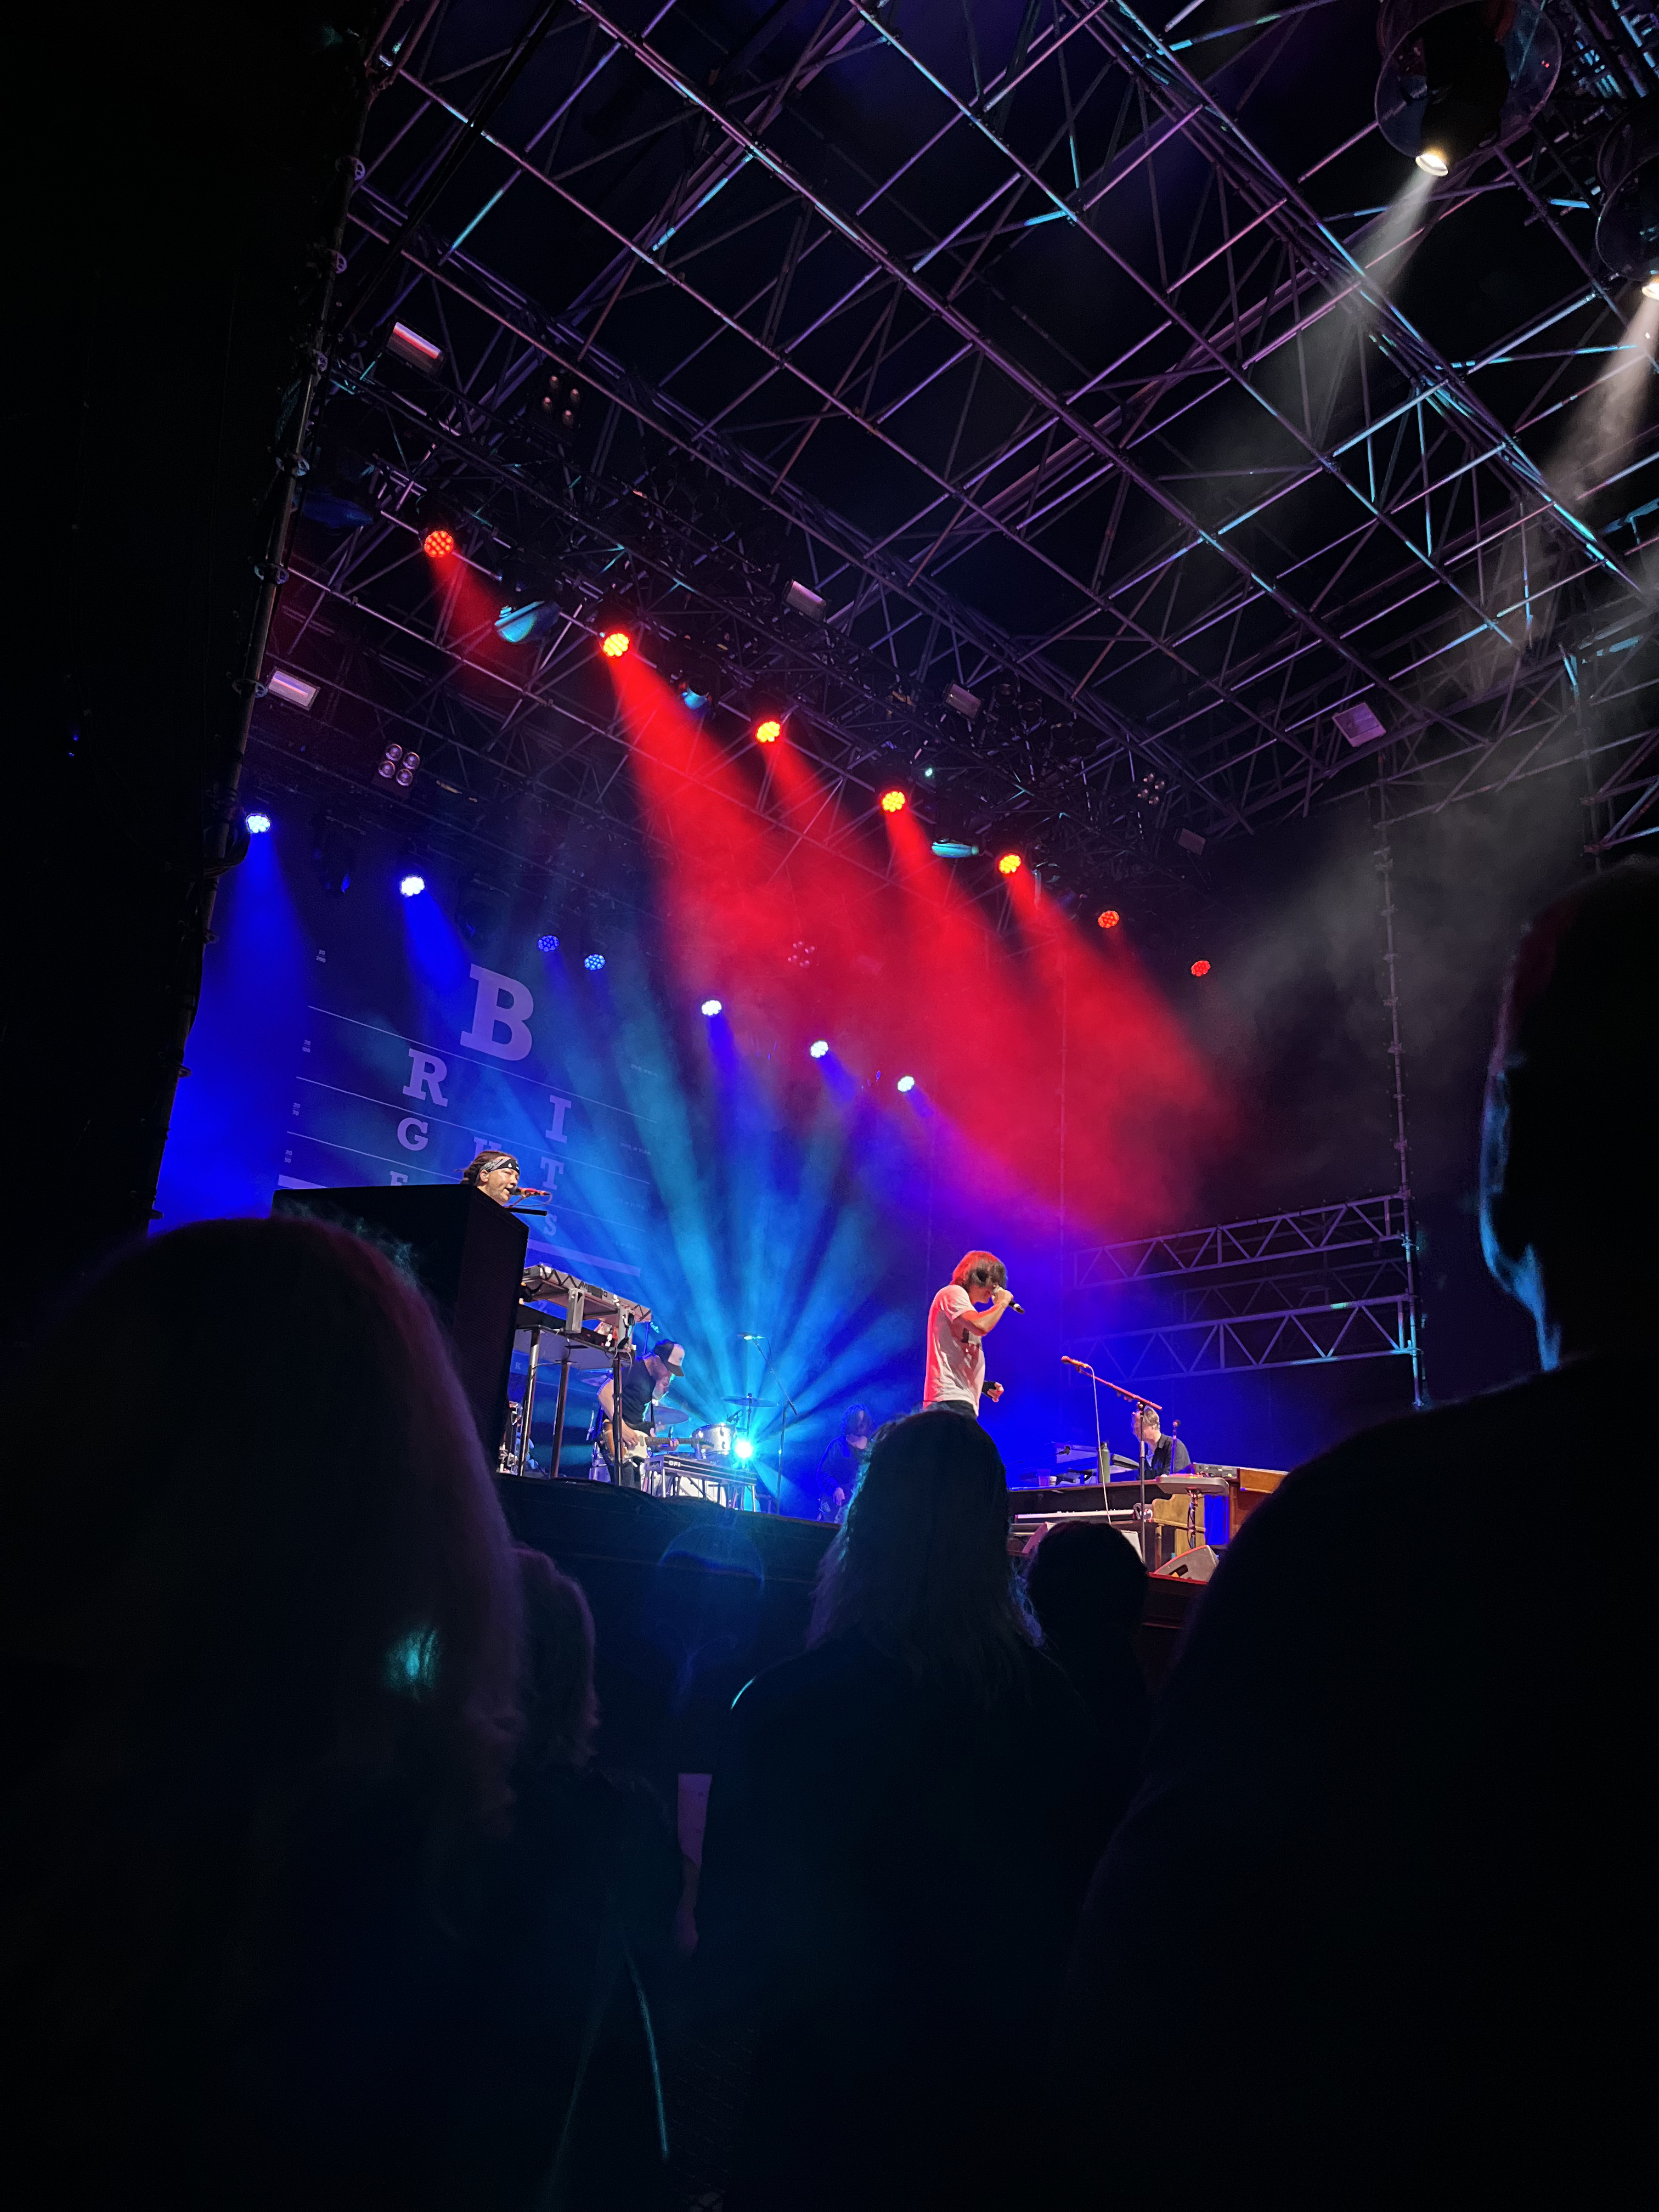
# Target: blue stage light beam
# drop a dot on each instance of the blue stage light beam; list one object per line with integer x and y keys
{"x": 593, "y": 962}
{"x": 906, "y": 1084}
{"x": 818, "y": 1047}
{"x": 257, "y": 823}
{"x": 220, "y": 1157}
{"x": 411, "y": 885}
{"x": 710, "y": 1007}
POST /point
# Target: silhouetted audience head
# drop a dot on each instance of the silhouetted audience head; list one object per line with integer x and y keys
{"x": 1570, "y": 1159}
{"x": 1086, "y": 1581}
{"x": 561, "y": 1710}
{"x": 255, "y": 1579}
{"x": 920, "y": 1565}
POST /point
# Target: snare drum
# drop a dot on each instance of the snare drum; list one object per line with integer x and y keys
{"x": 713, "y": 1444}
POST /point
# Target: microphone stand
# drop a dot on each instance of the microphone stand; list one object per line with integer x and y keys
{"x": 1141, "y": 1406}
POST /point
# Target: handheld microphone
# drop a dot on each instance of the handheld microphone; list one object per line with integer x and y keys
{"x": 1014, "y": 1306}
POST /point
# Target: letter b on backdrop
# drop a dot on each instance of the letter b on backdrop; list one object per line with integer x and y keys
{"x": 500, "y": 1017}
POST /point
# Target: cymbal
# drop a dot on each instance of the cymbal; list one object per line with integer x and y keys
{"x": 743, "y": 1401}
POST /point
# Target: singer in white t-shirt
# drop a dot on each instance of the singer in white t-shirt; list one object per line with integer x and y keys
{"x": 963, "y": 1313}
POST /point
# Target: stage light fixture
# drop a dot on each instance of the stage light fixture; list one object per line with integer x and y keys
{"x": 341, "y": 487}
{"x": 438, "y": 545}
{"x": 1108, "y": 918}
{"x": 614, "y": 643}
{"x": 411, "y": 885}
{"x": 1201, "y": 967}
{"x": 818, "y": 1047}
{"x": 593, "y": 962}
{"x": 954, "y": 849}
{"x": 803, "y": 600}
{"x": 516, "y": 624}
{"x": 409, "y": 345}
{"x": 397, "y": 766}
{"x": 1189, "y": 840}
{"x": 711, "y": 1007}
{"x": 294, "y": 690}
{"x": 256, "y": 823}
{"x": 893, "y": 801}
{"x": 548, "y": 943}
{"x": 334, "y": 848}
{"x": 906, "y": 1083}
{"x": 743, "y": 1448}
{"x": 1359, "y": 724}
{"x": 1651, "y": 290}
{"x": 1458, "y": 75}
{"x": 561, "y": 402}
{"x": 1010, "y": 865}
{"x": 482, "y": 913}
{"x": 693, "y": 700}
{"x": 768, "y": 730}
{"x": 961, "y": 701}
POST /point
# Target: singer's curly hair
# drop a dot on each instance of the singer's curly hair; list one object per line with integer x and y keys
{"x": 981, "y": 1267}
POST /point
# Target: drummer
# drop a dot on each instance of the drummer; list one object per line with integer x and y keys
{"x": 644, "y": 1384}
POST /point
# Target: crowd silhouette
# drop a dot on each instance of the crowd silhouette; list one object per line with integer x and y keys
{"x": 316, "y": 1892}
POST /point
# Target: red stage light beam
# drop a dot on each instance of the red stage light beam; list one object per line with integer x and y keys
{"x": 1110, "y": 919}
{"x": 1010, "y": 865}
{"x": 614, "y": 643}
{"x": 894, "y": 802}
{"x": 768, "y": 731}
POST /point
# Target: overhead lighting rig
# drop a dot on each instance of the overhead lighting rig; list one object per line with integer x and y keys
{"x": 1627, "y": 169}
{"x": 1458, "y": 77}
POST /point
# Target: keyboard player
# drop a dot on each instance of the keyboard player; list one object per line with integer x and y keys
{"x": 1165, "y": 1454}
{"x": 497, "y": 1175}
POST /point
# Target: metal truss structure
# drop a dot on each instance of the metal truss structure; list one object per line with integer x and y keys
{"x": 1289, "y": 1290}
{"x": 1065, "y": 359}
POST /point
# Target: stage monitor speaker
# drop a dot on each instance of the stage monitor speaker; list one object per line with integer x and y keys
{"x": 1196, "y": 1566}
{"x": 467, "y": 1255}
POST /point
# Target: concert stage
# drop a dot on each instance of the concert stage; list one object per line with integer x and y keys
{"x": 691, "y": 1600}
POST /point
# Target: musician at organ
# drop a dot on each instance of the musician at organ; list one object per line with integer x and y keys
{"x": 1165, "y": 1454}
{"x": 644, "y": 1385}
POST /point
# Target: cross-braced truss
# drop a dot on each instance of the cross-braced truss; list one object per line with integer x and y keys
{"x": 1046, "y": 347}
{"x": 1327, "y": 1284}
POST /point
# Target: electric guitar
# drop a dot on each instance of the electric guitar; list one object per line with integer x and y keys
{"x": 635, "y": 1442}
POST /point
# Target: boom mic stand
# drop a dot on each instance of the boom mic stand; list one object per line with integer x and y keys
{"x": 1141, "y": 1406}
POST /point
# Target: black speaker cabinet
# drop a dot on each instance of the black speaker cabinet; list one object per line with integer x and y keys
{"x": 466, "y": 1253}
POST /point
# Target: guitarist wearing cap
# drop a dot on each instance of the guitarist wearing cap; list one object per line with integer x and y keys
{"x": 644, "y": 1384}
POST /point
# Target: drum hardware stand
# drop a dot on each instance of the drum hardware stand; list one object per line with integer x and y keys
{"x": 1143, "y": 1516}
{"x": 784, "y": 1415}
{"x": 789, "y": 1407}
